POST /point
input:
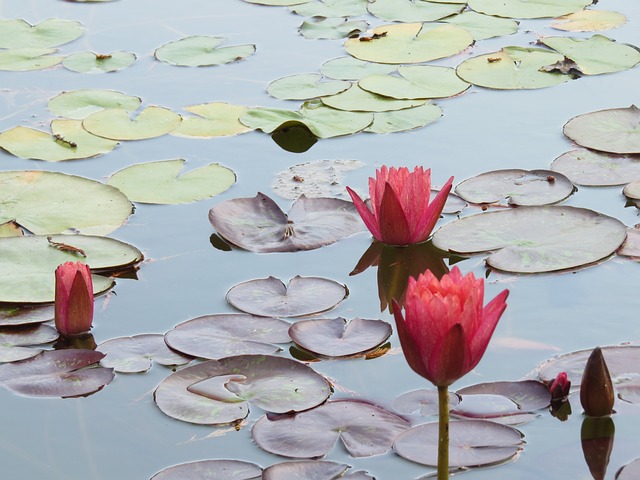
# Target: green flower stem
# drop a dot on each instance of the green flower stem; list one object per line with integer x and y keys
{"x": 443, "y": 437}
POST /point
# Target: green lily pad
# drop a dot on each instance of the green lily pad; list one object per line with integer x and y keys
{"x": 26, "y": 59}
{"x": 305, "y": 86}
{"x": 331, "y": 8}
{"x": 161, "y": 182}
{"x": 278, "y": 3}
{"x": 534, "y": 239}
{"x": 528, "y": 8}
{"x": 201, "y": 51}
{"x": 512, "y": 68}
{"x": 409, "y": 43}
{"x": 89, "y": 62}
{"x": 15, "y": 341}
{"x": 215, "y": 119}
{"x": 18, "y": 34}
{"x": 615, "y": 130}
{"x": 116, "y": 124}
{"x": 68, "y": 140}
{"x": 482, "y": 26}
{"x": 331, "y": 28}
{"x": 349, "y": 68}
{"x": 416, "y": 81}
{"x": 406, "y": 119}
{"x": 52, "y": 202}
{"x": 414, "y": 11}
{"x": 596, "y": 169}
{"x": 589, "y": 21}
{"x": 595, "y": 55}
{"x": 355, "y": 99}
{"x": 79, "y": 104}
{"x": 28, "y": 264}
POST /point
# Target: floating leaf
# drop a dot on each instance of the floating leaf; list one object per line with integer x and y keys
{"x": 472, "y": 443}
{"x": 57, "y": 373}
{"x": 364, "y": 429}
{"x": 349, "y": 68}
{"x": 631, "y": 246}
{"x": 14, "y": 341}
{"x": 28, "y": 263}
{"x": 337, "y": 337}
{"x": 482, "y": 26}
{"x": 518, "y": 187}
{"x": 201, "y": 51}
{"x": 615, "y": 130}
{"x": 409, "y": 43}
{"x": 79, "y": 104}
{"x": 495, "y": 408}
{"x": 216, "y": 119}
{"x": 587, "y": 167}
{"x": 211, "y": 470}
{"x": 270, "y": 297}
{"x": 217, "y": 336}
{"x": 27, "y": 59}
{"x": 630, "y": 471}
{"x": 311, "y": 469}
{"x": 331, "y": 8}
{"x": 10, "y": 229}
{"x": 259, "y": 225}
{"x": 216, "y": 391}
{"x": 406, "y": 119}
{"x": 528, "y": 8}
{"x": 116, "y": 124}
{"x": 512, "y": 68}
{"x": 16, "y": 316}
{"x": 331, "y": 28}
{"x": 304, "y": 86}
{"x": 589, "y": 21}
{"x": 278, "y": 3}
{"x": 51, "y": 202}
{"x": 595, "y": 55}
{"x": 426, "y": 401}
{"x": 416, "y": 11}
{"x": 319, "y": 178}
{"x": 526, "y": 394}
{"x": 534, "y": 239}
{"x": 18, "y": 34}
{"x": 161, "y": 182}
{"x": 134, "y": 354}
{"x": 355, "y": 99}
{"x": 89, "y": 62}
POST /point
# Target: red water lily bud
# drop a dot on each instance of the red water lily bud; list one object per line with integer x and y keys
{"x": 445, "y": 329}
{"x": 73, "y": 299}
{"x": 401, "y": 213}
{"x": 560, "y": 387}
{"x": 596, "y": 388}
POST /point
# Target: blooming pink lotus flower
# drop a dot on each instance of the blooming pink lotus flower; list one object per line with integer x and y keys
{"x": 402, "y": 213}
{"x": 445, "y": 329}
{"x": 74, "y": 299}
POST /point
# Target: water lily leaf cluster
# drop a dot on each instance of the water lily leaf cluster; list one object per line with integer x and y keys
{"x": 16, "y": 343}
{"x": 20, "y": 315}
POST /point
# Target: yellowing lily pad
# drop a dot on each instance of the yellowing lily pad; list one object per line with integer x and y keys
{"x": 17, "y": 33}
{"x": 528, "y": 8}
{"x": 305, "y": 86}
{"x": 201, "y": 51}
{"x": 589, "y": 21}
{"x": 355, "y": 99}
{"x": 215, "y": 119}
{"x": 414, "y": 11}
{"x": 89, "y": 62}
{"x": 482, "y": 26}
{"x": 161, "y": 182}
{"x": 10, "y": 229}
{"x": 116, "y": 124}
{"x": 409, "y": 43}
{"x": 26, "y": 59}
{"x": 79, "y": 104}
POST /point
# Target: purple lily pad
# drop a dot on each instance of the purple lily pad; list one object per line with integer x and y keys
{"x": 424, "y": 400}
{"x": 631, "y": 246}
{"x": 216, "y": 392}
{"x": 629, "y": 389}
{"x": 134, "y": 354}
{"x": 630, "y": 471}
{"x": 57, "y": 373}
{"x": 14, "y": 341}
{"x": 259, "y": 225}
{"x": 217, "y": 336}
{"x": 270, "y": 297}
{"x": 472, "y": 443}
{"x": 364, "y": 429}
{"x": 211, "y": 470}
{"x": 492, "y": 407}
{"x": 335, "y": 337}
{"x": 597, "y": 169}
{"x": 527, "y": 395}
{"x": 518, "y": 187}
{"x": 23, "y": 316}
{"x": 311, "y": 469}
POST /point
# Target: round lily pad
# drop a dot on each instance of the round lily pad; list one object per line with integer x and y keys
{"x": 79, "y": 104}
{"x": 270, "y": 297}
{"x": 305, "y": 86}
{"x": 312, "y": 469}
{"x": 200, "y": 51}
{"x": 528, "y": 8}
{"x": 526, "y": 394}
{"x": 18, "y": 34}
{"x": 615, "y": 130}
{"x": 534, "y": 239}
{"x": 518, "y": 187}
{"x": 211, "y": 470}
{"x": 27, "y": 59}
{"x": 116, "y": 124}
{"x": 405, "y": 119}
{"x": 472, "y": 443}
{"x": 134, "y": 354}
{"x": 589, "y": 21}
{"x": 418, "y": 11}
{"x": 629, "y": 471}
{"x": 89, "y": 62}
{"x": 349, "y": 68}
{"x": 482, "y": 26}
{"x": 426, "y": 401}
{"x": 14, "y": 341}
{"x": 278, "y": 3}
{"x": 632, "y": 191}
{"x": 215, "y": 119}
{"x": 631, "y": 246}
{"x": 16, "y": 316}
{"x": 331, "y": 28}
{"x": 355, "y": 99}
{"x": 319, "y": 178}
{"x": 161, "y": 182}
{"x": 591, "y": 168}
{"x": 331, "y": 8}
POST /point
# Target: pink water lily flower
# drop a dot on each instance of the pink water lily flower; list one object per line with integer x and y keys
{"x": 402, "y": 213}
{"x": 73, "y": 299}
{"x": 445, "y": 329}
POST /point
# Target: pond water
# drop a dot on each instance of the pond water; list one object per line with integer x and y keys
{"x": 119, "y": 432}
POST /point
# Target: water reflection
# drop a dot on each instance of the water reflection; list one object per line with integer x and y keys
{"x": 596, "y": 437}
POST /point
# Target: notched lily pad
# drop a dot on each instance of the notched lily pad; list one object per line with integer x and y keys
{"x": 27, "y": 59}
{"x": 117, "y": 124}
{"x": 597, "y": 169}
{"x": 331, "y": 28}
{"x": 349, "y": 68}
{"x": 16, "y": 340}
{"x": 215, "y": 119}
{"x": 90, "y": 62}
{"x": 201, "y": 51}
{"x": 416, "y": 11}
{"x": 631, "y": 246}
{"x": 423, "y": 400}
{"x": 134, "y": 354}
{"x": 79, "y": 104}
{"x": 355, "y": 99}
{"x": 482, "y": 26}
{"x": 405, "y": 119}
{"x": 211, "y": 470}
{"x": 312, "y": 469}
{"x": 19, "y": 34}
{"x": 305, "y": 86}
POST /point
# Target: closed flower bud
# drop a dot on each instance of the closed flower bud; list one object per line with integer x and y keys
{"x": 596, "y": 389}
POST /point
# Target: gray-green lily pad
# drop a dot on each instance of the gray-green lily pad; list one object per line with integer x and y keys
{"x": 405, "y": 119}
{"x": 409, "y": 43}
{"x": 12, "y": 316}
{"x": 413, "y": 11}
{"x": 472, "y": 443}
{"x": 589, "y": 21}
{"x": 355, "y": 99}
{"x": 89, "y": 62}
{"x": 331, "y": 28}
{"x": 117, "y": 124}
{"x": 423, "y": 400}
{"x": 517, "y": 187}
{"x": 18, "y": 34}
{"x": 528, "y": 8}
{"x": 201, "y": 51}
{"x": 217, "y": 391}
{"x": 28, "y": 263}
{"x": 259, "y": 225}
{"x": 305, "y": 86}
{"x": 52, "y": 202}
{"x": 57, "y": 373}
{"x": 134, "y": 354}
{"x": 68, "y": 140}
{"x": 482, "y": 27}
{"x": 597, "y": 169}
{"x": 349, "y": 68}
{"x": 27, "y": 59}
{"x": 211, "y": 470}
{"x": 15, "y": 341}
{"x": 512, "y": 68}
{"x": 615, "y": 130}
{"x": 312, "y": 469}
{"x": 331, "y": 8}
{"x": 217, "y": 336}
{"x": 364, "y": 429}
{"x": 416, "y": 81}
{"x": 79, "y": 104}
{"x": 270, "y": 297}
{"x": 595, "y": 55}
{"x": 161, "y": 182}
{"x": 534, "y": 239}
{"x": 215, "y": 119}
{"x": 318, "y": 178}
